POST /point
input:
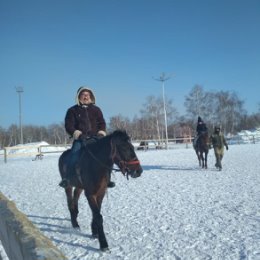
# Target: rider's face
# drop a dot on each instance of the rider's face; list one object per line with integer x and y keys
{"x": 85, "y": 98}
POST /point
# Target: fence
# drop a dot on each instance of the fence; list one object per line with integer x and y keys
{"x": 39, "y": 150}
{"x": 187, "y": 142}
{"x": 180, "y": 142}
{"x": 20, "y": 238}
{"x": 33, "y": 150}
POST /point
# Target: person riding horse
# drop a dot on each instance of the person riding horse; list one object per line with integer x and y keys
{"x": 201, "y": 128}
{"x": 84, "y": 119}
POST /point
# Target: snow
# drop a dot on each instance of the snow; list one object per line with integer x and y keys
{"x": 175, "y": 210}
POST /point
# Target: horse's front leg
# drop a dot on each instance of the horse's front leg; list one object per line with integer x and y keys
{"x": 72, "y": 202}
{"x": 203, "y": 160}
{"x": 206, "y": 160}
{"x": 97, "y": 220}
{"x": 198, "y": 155}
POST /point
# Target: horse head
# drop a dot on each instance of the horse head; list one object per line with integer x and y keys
{"x": 123, "y": 154}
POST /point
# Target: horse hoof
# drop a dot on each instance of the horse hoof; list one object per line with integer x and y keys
{"x": 105, "y": 249}
{"x": 95, "y": 236}
{"x": 76, "y": 226}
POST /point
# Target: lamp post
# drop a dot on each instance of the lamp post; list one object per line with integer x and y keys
{"x": 19, "y": 90}
{"x": 163, "y": 78}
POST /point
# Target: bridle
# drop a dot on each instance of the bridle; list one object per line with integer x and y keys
{"x": 122, "y": 164}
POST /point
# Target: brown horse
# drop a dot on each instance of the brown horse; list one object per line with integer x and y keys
{"x": 202, "y": 149}
{"x": 92, "y": 174}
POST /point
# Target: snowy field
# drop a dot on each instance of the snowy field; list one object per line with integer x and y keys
{"x": 175, "y": 210}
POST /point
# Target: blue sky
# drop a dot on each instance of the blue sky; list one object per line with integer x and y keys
{"x": 117, "y": 47}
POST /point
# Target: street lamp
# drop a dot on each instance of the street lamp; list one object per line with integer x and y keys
{"x": 163, "y": 78}
{"x": 19, "y": 90}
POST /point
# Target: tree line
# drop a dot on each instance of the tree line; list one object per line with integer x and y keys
{"x": 222, "y": 108}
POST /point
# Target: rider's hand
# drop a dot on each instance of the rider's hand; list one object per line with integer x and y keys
{"x": 101, "y": 134}
{"x": 76, "y": 134}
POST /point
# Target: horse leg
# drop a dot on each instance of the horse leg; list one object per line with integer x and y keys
{"x": 206, "y": 160}
{"x": 198, "y": 155}
{"x": 203, "y": 160}
{"x": 72, "y": 202}
{"x": 97, "y": 220}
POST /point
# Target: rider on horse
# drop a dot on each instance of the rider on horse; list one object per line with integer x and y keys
{"x": 83, "y": 119}
{"x": 201, "y": 128}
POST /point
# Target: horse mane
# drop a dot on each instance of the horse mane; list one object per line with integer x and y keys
{"x": 120, "y": 134}
{"x": 117, "y": 135}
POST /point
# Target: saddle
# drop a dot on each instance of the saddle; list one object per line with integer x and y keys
{"x": 86, "y": 140}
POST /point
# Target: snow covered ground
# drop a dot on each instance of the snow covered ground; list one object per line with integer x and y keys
{"x": 175, "y": 210}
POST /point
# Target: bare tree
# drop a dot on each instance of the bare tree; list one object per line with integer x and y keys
{"x": 3, "y": 137}
{"x": 229, "y": 110}
{"x": 13, "y": 131}
{"x": 153, "y": 112}
{"x": 195, "y": 102}
{"x": 119, "y": 122}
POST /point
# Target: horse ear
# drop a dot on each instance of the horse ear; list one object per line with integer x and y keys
{"x": 120, "y": 133}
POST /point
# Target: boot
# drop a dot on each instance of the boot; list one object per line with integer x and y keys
{"x": 64, "y": 183}
{"x": 220, "y": 165}
{"x": 111, "y": 184}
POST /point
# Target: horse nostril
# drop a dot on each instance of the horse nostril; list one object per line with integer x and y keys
{"x": 140, "y": 170}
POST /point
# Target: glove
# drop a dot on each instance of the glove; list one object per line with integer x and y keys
{"x": 101, "y": 133}
{"x": 226, "y": 147}
{"x": 76, "y": 134}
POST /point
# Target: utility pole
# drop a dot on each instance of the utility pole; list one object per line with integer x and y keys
{"x": 163, "y": 78}
{"x": 19, "y": 90}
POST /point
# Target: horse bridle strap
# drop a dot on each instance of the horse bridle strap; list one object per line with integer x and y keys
{"x": 97, "y": 160}
{"x": 123, "y": 165}
{"x": 130, "y": 162}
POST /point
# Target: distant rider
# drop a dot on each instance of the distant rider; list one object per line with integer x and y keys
{"x": 201, "y": 128}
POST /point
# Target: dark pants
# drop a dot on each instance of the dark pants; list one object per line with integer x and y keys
{"x": 77, "y": 144}
{"x": 74, "y": 149}
{"x": 73, "y": 157}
